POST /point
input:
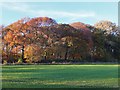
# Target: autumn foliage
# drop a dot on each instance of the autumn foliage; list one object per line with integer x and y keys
{"x": 42, "y": 39}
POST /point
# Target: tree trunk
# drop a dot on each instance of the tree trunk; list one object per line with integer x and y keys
{"x": 23, "y": 54}
{"x": 66, "y": 53}
{"x": 7, "y": 52}
{"x": 45, "y": 57}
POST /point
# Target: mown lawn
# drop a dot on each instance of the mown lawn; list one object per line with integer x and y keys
{"x": 59, "y": 76}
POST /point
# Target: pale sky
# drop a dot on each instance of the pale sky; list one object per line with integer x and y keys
{"x": 62, "y": 12}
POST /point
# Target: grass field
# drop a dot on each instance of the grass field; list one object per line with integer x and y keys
{"x": 59, "y": 76}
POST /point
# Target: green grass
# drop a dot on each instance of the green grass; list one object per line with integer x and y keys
{"x": 59, "y": 76}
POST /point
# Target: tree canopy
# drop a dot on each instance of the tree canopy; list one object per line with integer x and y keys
{"x": 42, "y": 39}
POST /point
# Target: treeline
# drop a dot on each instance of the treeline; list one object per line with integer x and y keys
{"x": 43, "y": 40}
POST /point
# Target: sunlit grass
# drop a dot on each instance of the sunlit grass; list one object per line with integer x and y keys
{"x": 59, "y": 76}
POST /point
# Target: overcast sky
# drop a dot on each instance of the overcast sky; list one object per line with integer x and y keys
{"x": 62, "y": 12}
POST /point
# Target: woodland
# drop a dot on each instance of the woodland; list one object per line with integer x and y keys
{"x": 43, "y": 40}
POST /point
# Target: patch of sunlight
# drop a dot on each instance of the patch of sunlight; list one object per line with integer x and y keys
{"x": 19, "y": 73}
{"x": 83, "y": 83}
{"x": 4, "y": 78}
{"x": 98, "y": 65}
{"x": 81, "y": 65}
{"x": 55, "y": 83}
{"x": 10, "y": 77}
{"x": 28, "y": 68}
